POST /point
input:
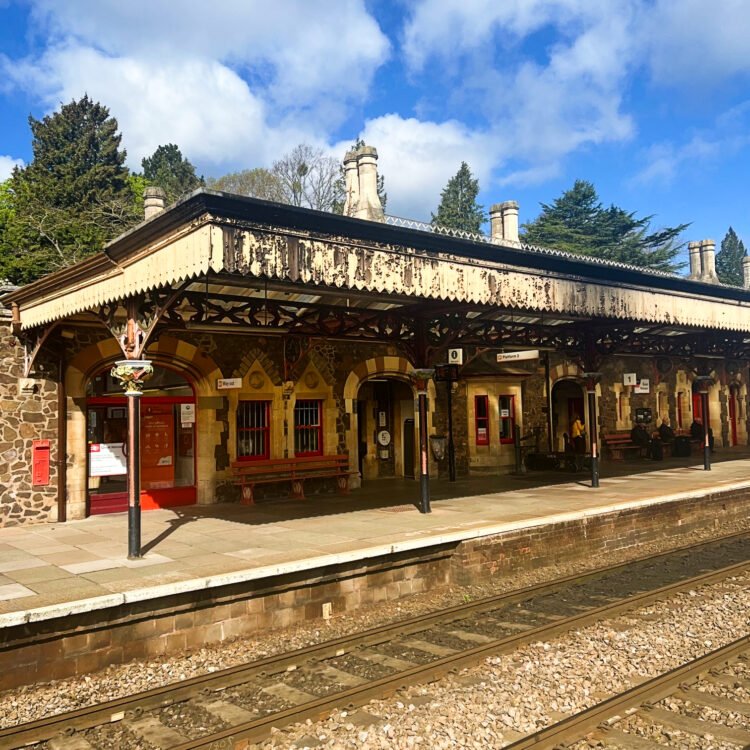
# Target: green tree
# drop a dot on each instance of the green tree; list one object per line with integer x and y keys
{"x": 255, "y": 183}
{"x": 729, "y": 259}
{"x": 73, "y": 196}
{"x": 458, "y": 207}
{"x": 167, "y": 169}
{"x": 6, "y": 217}
{"x": 578, "y": 223}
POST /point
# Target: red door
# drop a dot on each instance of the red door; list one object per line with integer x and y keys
{"x": 167, "y": 453}
{"x": 733, "y": 417}
{"x": 697, "y": 408}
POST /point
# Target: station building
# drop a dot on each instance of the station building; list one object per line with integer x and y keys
{"x": 277, "y": 331}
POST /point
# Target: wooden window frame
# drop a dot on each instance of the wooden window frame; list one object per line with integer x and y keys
{"x": 482, "y": 422}
{"x": 317, "y": 428}
{"x": 264, "y": 430}
{"x": 512, "y": 418}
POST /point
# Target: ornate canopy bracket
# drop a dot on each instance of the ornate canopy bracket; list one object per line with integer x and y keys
{"x": 32, "y": 342}
{"x": 133, "y": 322}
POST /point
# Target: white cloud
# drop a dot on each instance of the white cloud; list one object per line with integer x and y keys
{"x": 201, "y": 105}
{"x": 543, "y": 108}
{"x": 235, "y": 85}
{"x": 417, "y": 158}
{"x": 297, "y": 50}
{"x": 7, "y": 163}
{"x": 665, "y": 161}
{"x": 690, "y": 43}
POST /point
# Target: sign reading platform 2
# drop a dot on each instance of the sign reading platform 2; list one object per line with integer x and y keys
{"x": 518, "y": 356}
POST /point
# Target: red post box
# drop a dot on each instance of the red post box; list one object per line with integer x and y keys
{"x": 40, "y": 463}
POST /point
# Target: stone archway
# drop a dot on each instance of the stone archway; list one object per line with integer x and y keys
{"x": 186, "y": 359}
{"x": 392, "y": 368}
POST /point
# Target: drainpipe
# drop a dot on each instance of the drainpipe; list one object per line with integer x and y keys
{"x": 62, "y": 443}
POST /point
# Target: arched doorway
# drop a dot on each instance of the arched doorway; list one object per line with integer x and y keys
{"x": 386, "y": 437}
{"x": 568, "y": 401}
{"x": 168, "y": 471}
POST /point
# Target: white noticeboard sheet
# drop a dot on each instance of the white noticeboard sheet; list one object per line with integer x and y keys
{"x": 107, "y": 459}
{"x": 187, "y": 414}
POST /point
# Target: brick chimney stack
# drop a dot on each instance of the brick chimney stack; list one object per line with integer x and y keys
{"x": 708, "y": 262}
{"x": 694, "y": 254}
{"x": 361, "y": 173}
{"x": 504, "y": 221}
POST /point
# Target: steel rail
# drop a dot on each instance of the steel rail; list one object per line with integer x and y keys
{"x": 133, "y": 705}
{"x": 259, "y": 729}
{"x": 576, "y": 727}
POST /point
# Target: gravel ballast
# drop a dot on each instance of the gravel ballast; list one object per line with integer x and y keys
{"x": 482, "y": 707}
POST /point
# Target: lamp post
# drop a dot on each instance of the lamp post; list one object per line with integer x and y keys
{"x": 703, "y": 382}
{"x": 592, "y": 378}
{"x": 132, "y": 373}
{"x": 421, "y": 378}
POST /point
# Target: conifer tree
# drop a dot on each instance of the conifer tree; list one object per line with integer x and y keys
{"x": 458, "y": 207}
{"x": 74, "y": 195}
{"x": 578, "y": 223}
{"x": 167, "y": 169}
{"x": 729, "y": 259}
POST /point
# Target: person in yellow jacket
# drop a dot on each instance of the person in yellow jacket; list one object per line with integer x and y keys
{"x": 578, "y": 438}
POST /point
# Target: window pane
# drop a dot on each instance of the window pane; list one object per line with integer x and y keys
{"x": 308, "y": 433}
{"x": 253, "y": 429}
{"x": 505, "y": 404}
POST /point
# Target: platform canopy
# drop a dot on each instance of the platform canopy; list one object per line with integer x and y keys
{"x": 223, "y": 263}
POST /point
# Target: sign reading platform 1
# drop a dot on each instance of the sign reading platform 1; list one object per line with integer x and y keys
{"x": 518, "y": 356}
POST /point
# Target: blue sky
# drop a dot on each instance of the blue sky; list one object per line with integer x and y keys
{"x": 648, "y": 99}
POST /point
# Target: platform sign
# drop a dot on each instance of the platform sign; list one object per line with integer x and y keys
{"x": 228, "y": 384}
{"x": 630, "y": 378}
{"x": 518, "y": 356}
{"x": 643, "y": 386}
{"x": 107, "y": 460}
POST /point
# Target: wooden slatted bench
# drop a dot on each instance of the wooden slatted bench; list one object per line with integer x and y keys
{"x": 619, "y": 444}
{"x": 294, "y": 470}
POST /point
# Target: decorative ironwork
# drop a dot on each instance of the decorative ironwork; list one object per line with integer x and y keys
{"x": 132, "y": 373}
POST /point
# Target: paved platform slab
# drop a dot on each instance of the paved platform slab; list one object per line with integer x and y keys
{"x": 47, "y": 571}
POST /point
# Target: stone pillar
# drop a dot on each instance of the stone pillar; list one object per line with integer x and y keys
{"x": 351, "y": 174}
{"x": 694, "y": 253}
{"x": 497, "y": 232}
{"x": 370, "y": 207}
{"x": 510, "y": 220}
{"x": 746, "y": 272}
{"x": 153, "y": 201}
{"x": 708, "y": 261}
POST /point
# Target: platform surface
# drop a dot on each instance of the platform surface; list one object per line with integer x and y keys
{"x": 49, "y": 570}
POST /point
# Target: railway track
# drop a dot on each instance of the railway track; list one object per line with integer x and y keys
{"x": 699, "y": 698}
{"x": 240, "y": 705}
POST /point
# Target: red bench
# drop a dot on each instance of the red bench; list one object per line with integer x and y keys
{"x": 294, "y": 470}
{"x": 619, "y": 445}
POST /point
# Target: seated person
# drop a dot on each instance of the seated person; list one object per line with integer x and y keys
{"x": 640, "y": 436}
{"x": 666, "y": 433}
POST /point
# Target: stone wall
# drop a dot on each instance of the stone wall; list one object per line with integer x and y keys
{"x": 87, "y": 641}
{"x": 25, "y": 418}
